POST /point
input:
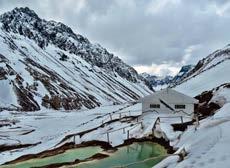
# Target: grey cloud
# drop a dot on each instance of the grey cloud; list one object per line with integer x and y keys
{"x": 139, "y": 36}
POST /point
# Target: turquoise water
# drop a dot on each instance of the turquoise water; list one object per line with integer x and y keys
{"x": 135, "y": 153}
{"x": 68, "y": 156}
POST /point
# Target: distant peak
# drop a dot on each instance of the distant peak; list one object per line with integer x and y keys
{"x": 186, "y": 68}
{"x": 24, "y": 15}
{"x": 20, "y": 13}
{"x": 25, "y": 10}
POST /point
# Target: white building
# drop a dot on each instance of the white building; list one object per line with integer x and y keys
{"x": 168, "y": 100}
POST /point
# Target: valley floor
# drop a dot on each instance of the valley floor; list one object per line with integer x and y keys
{"x": 206, "y": 145}
{"x": 50, "y": 129}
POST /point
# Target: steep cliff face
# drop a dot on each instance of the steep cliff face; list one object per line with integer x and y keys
{"x": 44, "y": 64}
{"x": 183, "y": 73}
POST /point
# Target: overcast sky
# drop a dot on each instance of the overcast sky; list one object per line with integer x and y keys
{"x": 154, "y": 36}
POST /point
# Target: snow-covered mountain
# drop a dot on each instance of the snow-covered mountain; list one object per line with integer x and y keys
{"x": 209, "y": 73}
{"x": 181, "y": 74}
{"x": 157, "y": 81}
{"x": 45, "y": 64}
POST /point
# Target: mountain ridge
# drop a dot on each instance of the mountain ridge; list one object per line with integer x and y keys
{"x": 158, "y": 82}
{"x": 26, "y": 22}
{"x": 45, "y": 64}
{"x": 210, "y": 72}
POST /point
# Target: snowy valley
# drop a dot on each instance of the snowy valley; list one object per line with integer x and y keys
{"x": 59, "y": 91}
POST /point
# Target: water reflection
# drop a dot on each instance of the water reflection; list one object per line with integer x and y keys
{"x": 68, "y": 156}
{"x": 138, "y": 153}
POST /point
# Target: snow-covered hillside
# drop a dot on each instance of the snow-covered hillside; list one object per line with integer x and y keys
{"x": 45, "y": 64}
{"x": 206, "y": 144}
{"x": 209, "y": 73}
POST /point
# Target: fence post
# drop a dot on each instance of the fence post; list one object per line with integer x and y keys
{"x": 79, "y": 138}
{"x": 128, "y": 134}
{"x": 158, "y": 119}
{"x": 74, "y": 139}
{"x": 108, "y": 137}
{"x": 154, "y": 126}
{"x": 197, "y": 120}
{"x": 182, "y": 154}
{"x": 181, "y": 118}
{"x": 123, "y": 130}
{"x": 142, "y": 126}
{"x": 137, "y": 118}
{"x": 110, "y": 116}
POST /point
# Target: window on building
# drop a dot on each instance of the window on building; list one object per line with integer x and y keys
{"x": 154, "y": 105}
{"x": 179, "y": 106}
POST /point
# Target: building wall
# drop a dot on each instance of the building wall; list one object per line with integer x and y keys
{"x": 189, "y": 108}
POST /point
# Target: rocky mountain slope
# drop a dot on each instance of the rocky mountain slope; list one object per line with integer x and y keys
{"x": 44, "y": 64}
{"x": 156, "y": 81}
{"x": 181, "y": 74}
{"x": 210, "y": 72}
{"x": 161, "y": 82}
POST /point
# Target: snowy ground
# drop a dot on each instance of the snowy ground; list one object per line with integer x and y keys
{"x": 159, "y": 87}
{"x": 208, "y": 145}
{"x": 48, "y": 128}
{"x": 207, "y": 80}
